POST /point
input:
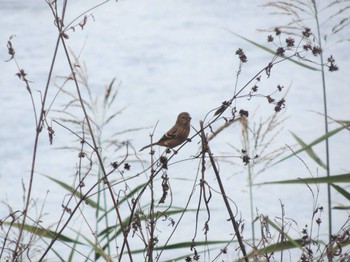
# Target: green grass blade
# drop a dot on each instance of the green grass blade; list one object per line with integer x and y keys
{"x": 76, "y": 193}
{"x": 72, "y": 253}
{"x": 41, "y": 232}
{"x": 286, "y": 245}
{"x": 57, "y": 253}
{"x": 98, "y": 251}
{"x": 183, "y": 245}
{"x": 343, "y": 178}
{"x": 317, "y": 141}
{"x": 281, "y": 246}
{"x": 342, "y": 191}
{"x": 295, "y": 243}
{"x": 309, "y": 151}
{"x": 342, "y": 207}
{"x": 122, "y": 200}
{"x": 184, "y": 256}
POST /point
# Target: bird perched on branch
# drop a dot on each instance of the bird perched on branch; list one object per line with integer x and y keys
{"x": 177, "y": 134}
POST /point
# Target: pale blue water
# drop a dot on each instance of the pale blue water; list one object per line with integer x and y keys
{"x": 168, "y": 57}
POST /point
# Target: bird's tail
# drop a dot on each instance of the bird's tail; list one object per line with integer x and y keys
{"x": 147, "y": 146}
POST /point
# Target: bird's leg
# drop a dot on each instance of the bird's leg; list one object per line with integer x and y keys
{"x": 168, "y": 150}
{"x": 174, "y": 151}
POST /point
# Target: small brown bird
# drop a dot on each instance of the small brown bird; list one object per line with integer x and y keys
{"x": 177, "y": 134}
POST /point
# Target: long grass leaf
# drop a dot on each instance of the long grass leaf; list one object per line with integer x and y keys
{"x": 128, "y": 196}
{"x": 316, "y": 141}
{"x": 286, "y": 245}
{"x": 184, "y": 245}
{"x": 342, "y": 207}
{"x": 290, "y": 239}
{"x": 41, "y": 232}
{"x": 98, "y": 251}
{"x": 57, "y": 253}
{"x": 183, "y": 257}
{"x": 72, "y": 252}
{"x": 309, "y": 151}
{"x": 342, "y": 191}
{"x": 73, "y": 191}
{"x": 343, "y": 178}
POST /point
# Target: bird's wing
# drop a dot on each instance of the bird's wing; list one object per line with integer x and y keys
{"x": 171, "y": 134}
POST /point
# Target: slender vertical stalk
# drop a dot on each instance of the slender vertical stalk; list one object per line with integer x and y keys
{"x": 245, "y": 137}
{"x": 250, "y": 181}
{"x": 150, "y": 247}
{"x": 325, "y": 121}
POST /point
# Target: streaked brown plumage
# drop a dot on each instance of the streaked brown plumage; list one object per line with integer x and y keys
{"x": 177, "y": 134}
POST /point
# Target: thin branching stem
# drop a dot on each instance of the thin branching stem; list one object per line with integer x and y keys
{"x": 151, "y": 240}
{"x": 223, "y": 193}
{"x": 35, "y": 148}
{"x": 96, "y": 148}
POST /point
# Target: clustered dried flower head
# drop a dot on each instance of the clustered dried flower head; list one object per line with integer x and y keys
{"x": 127, "y": 166}
{"x": 246, "y": 158}
{"x": 290, "y": 41}
{"x": 270, "y": 38}
{"x": 306, "y": 46}
{"x": 280, "y": 51}
{"x": 277, "y": 31}
{"x": 307, "y": 32}
{"x": 316, "y": 50}
{"x": 280, "y": 104}
{"x": 331, "y": 64}
{"x": 223, "y": 107}
{"x": 241, "y": 55}
{"x": 10, "y": 49}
